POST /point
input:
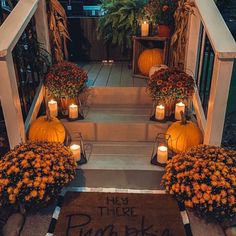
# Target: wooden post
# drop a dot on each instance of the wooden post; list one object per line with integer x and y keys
{"x": 217, "y": 104}
{"x": 10, "y": 102}
{"x": 41, "y": 21}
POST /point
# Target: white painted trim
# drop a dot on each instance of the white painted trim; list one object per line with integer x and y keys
{"x": 201, "y": 57}
{"x": 112, "y": 190}
{"x": 34, "y": 109}
{"x": 217, "y": 104}
{"x": 193, "y": 42}
{"x": 201, "y": 119}
{"x": 11, "y": 102}
{"x": 218, "y": 33}
{"x": 13, "y": 27}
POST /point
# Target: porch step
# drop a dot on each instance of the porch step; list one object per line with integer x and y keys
{"x": 119, "y": 96}
{"x": 120, "y": 156}
{"x": 116, "y": 123}
{"x": 119, "y": 165}
{"x": 121, "y": 179}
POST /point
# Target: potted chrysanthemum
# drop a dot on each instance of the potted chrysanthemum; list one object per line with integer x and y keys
{"x": 33, "y": 173}
{"x": 204, "y": 179}
{"x": 168, "y": 86}
{"x": 65, "y": 82}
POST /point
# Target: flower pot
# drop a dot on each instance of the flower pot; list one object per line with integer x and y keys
{"x": 164, "y": 30}
{"x": 170, "y": 109}
{"x": 64, "y": 104}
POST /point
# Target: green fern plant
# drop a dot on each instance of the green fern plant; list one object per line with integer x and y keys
{"x": 120, "y": 21}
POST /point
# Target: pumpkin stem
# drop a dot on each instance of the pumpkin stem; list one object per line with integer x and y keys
{"x": 48, "y": 115}
{"x": 183, "y": 118}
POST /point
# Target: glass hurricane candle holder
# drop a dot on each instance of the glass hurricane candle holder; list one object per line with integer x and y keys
{"x": 75, "y": 111}
{"x": 161, "y": 153}
{"x": 158, "y": 112}
{"x": 144, "y": 29}
{"x": 77, "y": 147}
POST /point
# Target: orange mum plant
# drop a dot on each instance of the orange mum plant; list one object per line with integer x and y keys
{"x": 170, "y": 84}
{"x": 204, "y": 178}
{"x": 34, "y": 173}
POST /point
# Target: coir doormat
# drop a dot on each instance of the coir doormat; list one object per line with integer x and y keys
{"x": 119, "y": 214}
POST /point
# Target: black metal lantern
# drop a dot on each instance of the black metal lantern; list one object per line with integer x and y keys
{"x": 77, "y": 147}
{"x": 161, "y": 153}
{"x": 158, "y": 112}
{"x": 76, "y": 112}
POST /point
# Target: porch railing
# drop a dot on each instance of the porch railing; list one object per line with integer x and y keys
{"x": 11, "y": 30}
{"x": 209, "y": 42}
{"x": 210, "y": 54}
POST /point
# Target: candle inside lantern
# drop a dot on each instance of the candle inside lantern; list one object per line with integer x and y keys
{"x": 75, "y": 148}
{"x": 162, "y": 154}
{"x": 73, "y": 111}
{"x": 144, "y": 29}
{"x": 160, "y": 112}
{"x": 52, "y": 106}
{"x": 178, "y": 108}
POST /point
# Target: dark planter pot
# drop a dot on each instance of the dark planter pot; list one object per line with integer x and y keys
{"x": 164, "y": 30}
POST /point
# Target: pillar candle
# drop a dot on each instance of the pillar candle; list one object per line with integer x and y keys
{"x": 162, "y": 154}
{"x": 160, "y": 112}
{"x": 73, "y": 111}
{"x": 144, "y": 29}
{"x": 52, "y": 106}
{"x": 75, "y": 148}
{"x": 178, "y": 108}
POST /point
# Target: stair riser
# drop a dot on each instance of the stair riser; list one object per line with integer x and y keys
{"x": 112, "y": 95}
{"x": 119, "y": 132}
{"x": 122, "y": 148}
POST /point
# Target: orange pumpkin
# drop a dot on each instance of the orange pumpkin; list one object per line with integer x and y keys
{"x": 47, "y": 129}
{"x": 149, "y": 58}
{"x": 183, "y": 135}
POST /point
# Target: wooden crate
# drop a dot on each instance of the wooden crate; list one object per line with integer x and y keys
{"x": 142, "y": 43}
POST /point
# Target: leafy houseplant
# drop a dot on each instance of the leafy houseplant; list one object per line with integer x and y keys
{"x": 204, "y": 179}
{"x": 34, "y": 173}
{"x": 120, "y": 22}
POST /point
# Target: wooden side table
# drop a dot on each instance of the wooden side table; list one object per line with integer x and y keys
{"x": 142, "y": 43}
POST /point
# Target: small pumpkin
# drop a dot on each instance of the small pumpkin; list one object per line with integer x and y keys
{"x": 156, "y": 68}
{"x": 47, "y": 128}
{"x": 183, "y": 135}
{"x": 149, "y": 58}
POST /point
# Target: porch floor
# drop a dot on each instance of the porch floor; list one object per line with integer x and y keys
{"x": 117, "y": 74}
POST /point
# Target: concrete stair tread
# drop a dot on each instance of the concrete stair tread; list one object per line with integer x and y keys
{"x": 119, "y": 114}
{"x": 119, "y": 95}
{"x": 124, "y": 179}
{"x": 120, "y": 156}
{"x": 119, "y": 129}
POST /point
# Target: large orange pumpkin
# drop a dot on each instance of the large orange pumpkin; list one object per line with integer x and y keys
{"x": 47, "y": 129}
{"x": 149, "y": 58}
{"x": 183, "y": 135}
